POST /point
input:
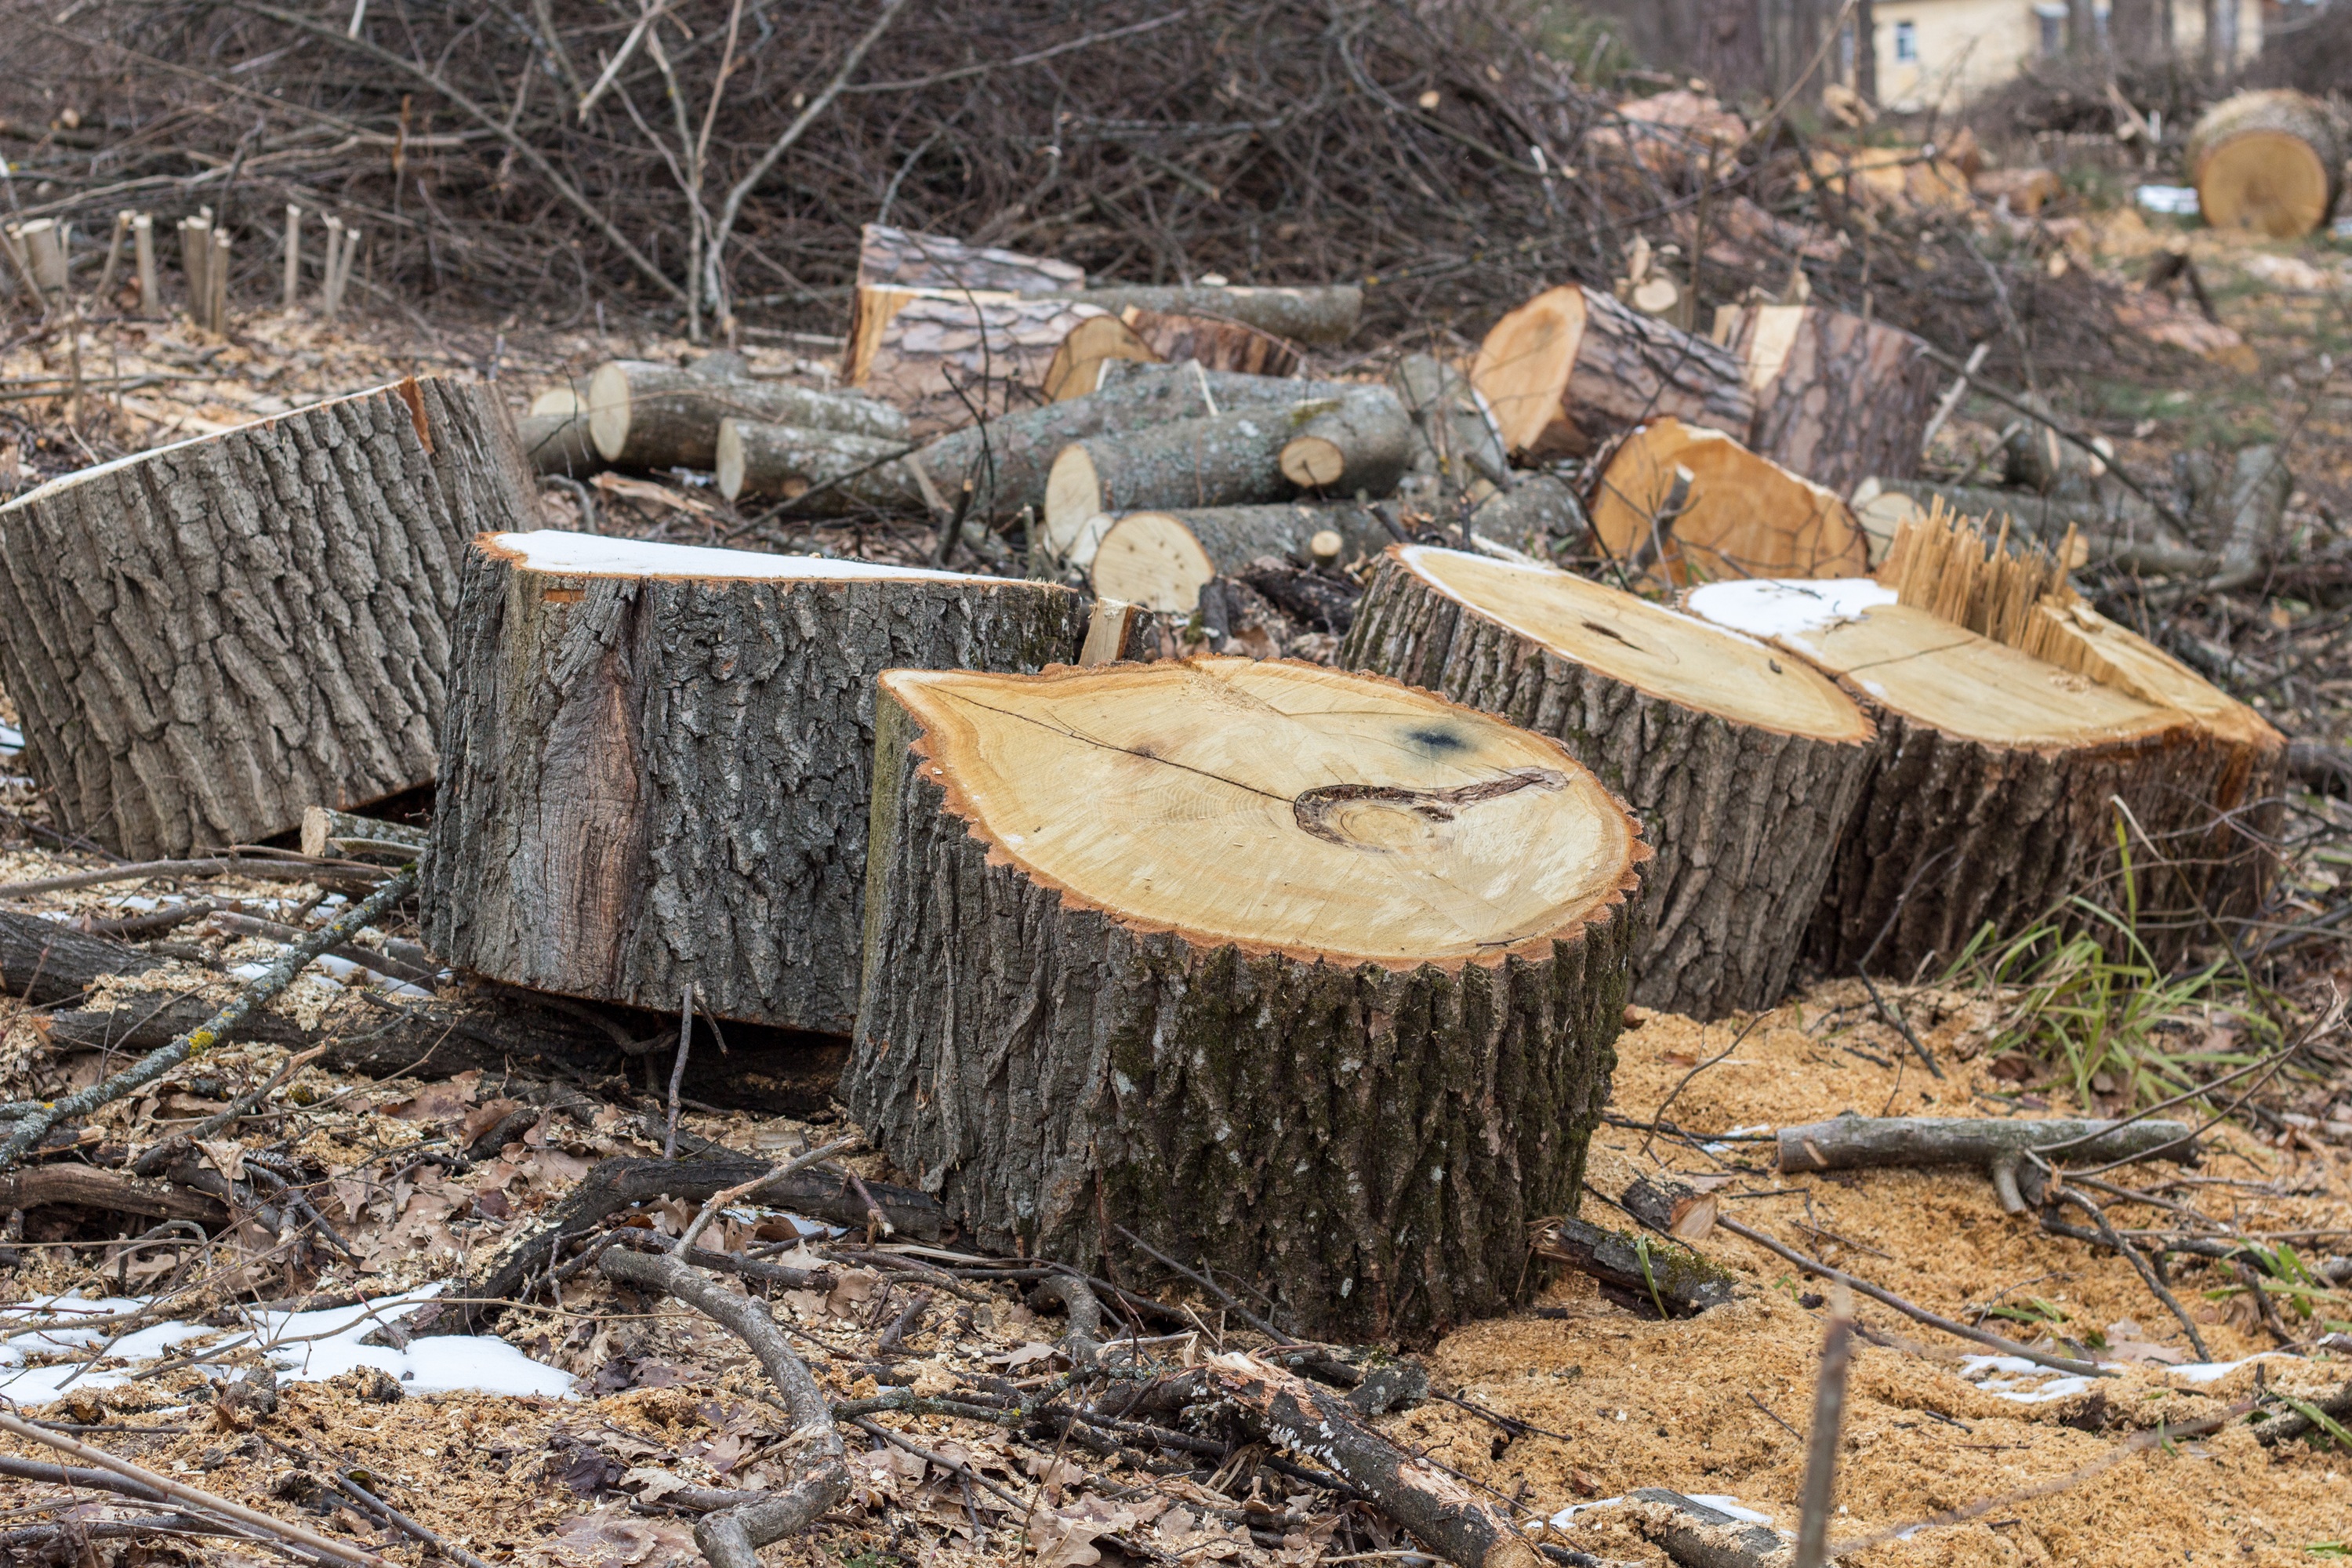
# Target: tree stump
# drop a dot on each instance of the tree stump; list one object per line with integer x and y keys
{"x": 901, "y": 259}
{"x": 1689, "y": 505}
{"x": 658, "y": 759}
{"x": 1745, "y": 768}
{"x": 1305, "y": 974}
{"x": 1993, "y": 800}
{"x": 1573, "y": 367}
{"x": 204, "y": 640}
{"x": 1838, "y": 399}
{"x": 2271, "y": 161}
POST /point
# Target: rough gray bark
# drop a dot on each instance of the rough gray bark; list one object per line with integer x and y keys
{"x": 559, "y": 444}
{"x": 657, "y": 780}
{"x": 1367, "y": 1144}
{"x": 1458, "y": 443}
{"x": 206, "y": 638}
{"x": 1746, "y": 820}
{"x": 1326, "y": 314}
{"x": 1656, "y": 1280}
{"x": 849, "y": 473}
{"x": 1838, "y": 398}
{"x": 1360, "y": 447}
{"x": 1234, "y": 536}
{"x": 648, "y": 415}
{"x": 1225, "y": 459}
{"x": 951, "y": 358}
{"x": 1996, "y": 1143}
{"x": 1163, "y": 559}
{"x": 1536, "y": 515}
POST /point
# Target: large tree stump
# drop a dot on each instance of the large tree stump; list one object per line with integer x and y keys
{"x": 1303, "y": 974}
{"x": 658, "y": 759}
{"x": 1745, "y": 768}
{"x": 1687, "y": 505}
{"x": 1838, "y": 398}
{"x": 2271, "y": 161}
{"x": 1995, "y": 795}
{"x": 204, "y": 640}
{"x": 1573, "y": 367}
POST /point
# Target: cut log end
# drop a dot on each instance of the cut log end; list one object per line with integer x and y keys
{"x": 2267, "y": 161}
{"x": 1151, "y": 558}
{"x": 1739, "y": 515}
{"x": 1314, "y": 462}
{"x": 1197, "y": 799}
{"x": 1524, "y": 365}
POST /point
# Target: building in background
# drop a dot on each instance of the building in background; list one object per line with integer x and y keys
{"x": 1938, "y": 53}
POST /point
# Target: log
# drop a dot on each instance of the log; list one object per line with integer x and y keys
{"x": 1998, "y": 1144}
{"x": 657, "y": 761}
{"x": 1747, "y": 768}
{"x": 1573, "y": 367}
{"x": 206, "y": 638}
{"x": 2271, "y": 161}
{"x": 1838, "y": 398}
{"x": 1161, "y": 559}
{"x": 947, "y": 358}
{"x": 1326, "y": 313}
{"x": 849, "y": 473}
{"x": 1458, "y": 442}
{"x": 902, "y": 258}
{"x": 1158, "y": 337}
{"x": 555, "y": 438}
{"x": 343, "y": 836}
{"x": 643, "y": 414}
{"x": 1537, "y": 515}
{"x": 1652, "y": 1279}
{"x": 1736, "y": 515}
{"x": 1993, "y": 798}
{"x": 1116, "y": 915}
{"x": 1362, "y": 448}
{"x": 113, "y": 1191}
{"x": 1232, "y": 458}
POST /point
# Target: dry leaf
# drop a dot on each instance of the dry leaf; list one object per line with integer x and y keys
{"x": 1693, "y": 1219}
{"x": 225, "y": 1155}
{"x": 651, "y": 1484}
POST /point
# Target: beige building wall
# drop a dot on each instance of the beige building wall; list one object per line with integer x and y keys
{"x": 1963, "y": 48}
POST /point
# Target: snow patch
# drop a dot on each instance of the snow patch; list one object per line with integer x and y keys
{"x": 555, "y": 550}
{"x": 1771, "y": 607}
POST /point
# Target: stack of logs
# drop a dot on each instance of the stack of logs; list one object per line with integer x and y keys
{"x": 1070, "y": 907}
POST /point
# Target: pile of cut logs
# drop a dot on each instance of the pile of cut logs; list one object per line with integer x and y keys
{"x": 1308, "y": 971}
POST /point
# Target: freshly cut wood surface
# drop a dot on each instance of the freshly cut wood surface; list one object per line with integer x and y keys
{"x": 1076, "y": 368}
{"x": 1155, "y": 337}
{"x": 1360, "y": 447}
{"x": 1108, "y": 907}
{"x": 658, "y": 759}
{"x": 952, "y": 357}
{"x": 2272, "y": 161}
{"x": 1573, "y": 367}
{"x": 1994, "y": 797}
{"x": 1838, "y": 398}
{"x": 1745, "y": 767}
{"x": 645, "y": 415}
{"x": 1741, "y": 516}
{"x": 204, "y": 639}
{"x": 1162, "y": 560}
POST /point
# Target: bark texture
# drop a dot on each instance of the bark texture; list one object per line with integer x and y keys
{"x": 1221, "y": 461}
{"x": 1217, "y": 343}
{"x": 206, "y": 639}
{"x": 1367, "y": 1144}
{"x": 948, "y": 358}
{"x": 657, "y": 780}
{"x": 902, "y": 258}
{"x": 1162, "y": 559}
{"x": 1574, "y": 366}
{"x": 1360, "y": 447}
{"x": 1326, "y": 314}
{"x": 848, "y": 473}
{"x": 1457, "y": 442}
{"x": 1838, "y": 398}
{"x": 559, "y": 444}
{"x": 1537, "y": 515}
{"x": 648, "y": 416}
{"x": 1745, "y": 819}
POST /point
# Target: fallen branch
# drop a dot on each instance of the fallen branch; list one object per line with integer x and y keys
{"x": 114, "y": 1192}
{"x": 1636, "y": 1273}
{"x": 213, "y": 865}
{"x": 1999, "y": 1145}
{"x": 2297, "y": 1421}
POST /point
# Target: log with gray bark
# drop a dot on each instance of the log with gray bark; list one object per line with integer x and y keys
{"x": 1114, "y": 914}
{"x": 645, "y": 415}
{"x": 1162, "y": 559}
{"x": 1538, "y": 515}
{"x": 657, "y": 763}
{"x": 1360, "y": 447}
{"x": 1457, "y": 443}
{"x": 1747, "y": 767}
{"x": 1573, "y": 367}
{"x": 204, "y": 639}
{"x": 1838, "y": 398}
{"x": 838, "y": 472}
{"x": 1654, "y": 1279}
{"x": 1999, "y": 1144}
{"x": 1156, "y": 337}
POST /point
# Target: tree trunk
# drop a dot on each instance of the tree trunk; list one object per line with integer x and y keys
{"x": 1734, "y": 515}
{"x": 1360, "y": 447}
{"x": 1838, "y": 398}
{"x": 2270, "y": 162}
{"x": 850, "y": 473}
{"x": 1572, "y": 367}
{"x": 1156, "y": 337}
{"x": 900, "y": 258}
{"x": 206, "y": 638}
{"x": 1307, "y": 976}
{"x": 658, "y": 759}
{"x": 1995, "y": 795}
{"x": 951, "y": 358}
{"x": 648, "y": 416}
{"x": 1162, "y": 559}
{"x": 1746, "y": 769}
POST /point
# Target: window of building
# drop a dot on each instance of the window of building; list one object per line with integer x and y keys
{"x": 1907, "y": 42}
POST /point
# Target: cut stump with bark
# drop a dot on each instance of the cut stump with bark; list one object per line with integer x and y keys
{"x": 1744, "y": 767}
{"x": 1573, "y": 367}
{"x": 1838, "y": 398}
{"x": 204, "y": 640}
{"x": 659, "y": 758}
{"x": 1308, "y": 976}
{"x": 1692, "y": 505}
{"x": 1996, "y": 792}
{"x": 902, "y": 258}
{"x": 2272, "y": 161}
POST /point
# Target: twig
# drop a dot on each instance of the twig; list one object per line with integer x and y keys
{"x": 405, "y": 1523}
{"x": 1829, "y": 1423}
{"x": 2139, "y": 1263}
{"x": 1659, "y": 1115}
{"x": 1902, "y": 1026}
{"x": 1210, "y": 1285}
{"x": 678, "y": 1070}
{"x": 218, "y": 866}
{"x": 2073, "y": 438}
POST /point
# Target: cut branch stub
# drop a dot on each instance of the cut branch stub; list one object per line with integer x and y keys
{"x": 1737, "y": 515}
{"x": 204, "y": 640}
{"x": 1306, "y": 974}
{"x": 1572, "y": 367}
{"x": 1745, "y": 767}
{"x": 1996, "y": 793}
{"x": 659, "y": 759}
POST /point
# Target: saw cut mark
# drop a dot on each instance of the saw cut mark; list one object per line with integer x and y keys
{"x": 1322, "y": 812}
